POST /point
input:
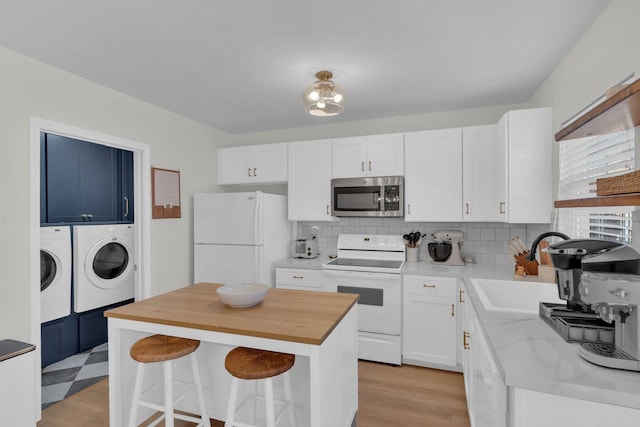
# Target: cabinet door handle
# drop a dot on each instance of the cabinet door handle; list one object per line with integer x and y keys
{"x": 467, "y": 208}
{"x": 328, "y": 213}
{"x": 453, "y": 310}
{"x": 502, "y": 206}
{"x": 254, "y": 172}
{"x": 465, "y": 343}
{"x": 409, "y": 209}
{"x": 428, "y": 286}
{"x": 362, "y": 167}
{"x": 126, "y": 206}
{"x": 90, "y": 216}
{"x": 298, "y": 277}
{"x": 369, "y": 165}
{"x": 249, "y": 172}
{"x": 460, "y": 294}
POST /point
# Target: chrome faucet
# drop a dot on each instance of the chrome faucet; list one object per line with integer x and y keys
{"x": 534, "y": 246}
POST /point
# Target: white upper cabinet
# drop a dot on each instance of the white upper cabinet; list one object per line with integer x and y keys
{"x": 524, "y": 148}
{"x": 255, "y": 164}
{"x": 310, "y": 181}
{"x": 480, "y": 177}
{"x": 433, "y": 176}
{"x": 375, "y": 155}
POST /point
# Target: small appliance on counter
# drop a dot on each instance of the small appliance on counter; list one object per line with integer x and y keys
{"x": 584, "y": 267}
{"x": 615, "y": 298}
{"x": 306, "y": 248}
{"x": 446, "y": 248}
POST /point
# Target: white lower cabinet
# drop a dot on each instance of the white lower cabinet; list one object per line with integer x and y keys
{"x": 299, "y": 278}
{"x": 483, "y": 383}
{"x": 429, "y": 320}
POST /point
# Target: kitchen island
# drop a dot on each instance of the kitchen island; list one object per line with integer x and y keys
{"x": 319, "y": 328}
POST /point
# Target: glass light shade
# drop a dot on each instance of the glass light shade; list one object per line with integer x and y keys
{"x": 324, "y": 97}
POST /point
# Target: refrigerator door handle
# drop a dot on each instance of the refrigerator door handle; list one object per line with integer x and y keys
{"x": 257, "y": 237}
{"x": 259, "y": 270}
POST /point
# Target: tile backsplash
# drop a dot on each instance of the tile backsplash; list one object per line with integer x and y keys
{"x": 487, "y": 243}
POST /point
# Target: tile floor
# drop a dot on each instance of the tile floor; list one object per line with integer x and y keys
{"x": 66, "y": 377}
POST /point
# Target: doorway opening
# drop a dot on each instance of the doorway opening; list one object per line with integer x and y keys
{"x": 142, "y": 203}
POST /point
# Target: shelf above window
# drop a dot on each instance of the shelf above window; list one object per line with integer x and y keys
{"x": 618, "y": 113}
{"x": 632, "y": 199}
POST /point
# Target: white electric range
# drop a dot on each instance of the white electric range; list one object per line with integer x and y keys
{"x": 370, "y": 265}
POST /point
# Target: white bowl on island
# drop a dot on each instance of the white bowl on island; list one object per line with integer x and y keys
{"x": 244, "y": 295}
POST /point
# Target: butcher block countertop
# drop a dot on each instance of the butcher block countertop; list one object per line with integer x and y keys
{"x": 289, "y": 315}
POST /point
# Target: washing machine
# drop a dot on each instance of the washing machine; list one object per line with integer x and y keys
{"x": 104, "y": 264}
{"x": 55, "y": 273}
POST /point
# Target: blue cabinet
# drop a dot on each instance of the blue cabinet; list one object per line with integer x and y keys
{"x": 59, "y": 339}
{"x": 86, "y": 182}
{"x": 126, "y": 187}
{"x": 92, "y": 326}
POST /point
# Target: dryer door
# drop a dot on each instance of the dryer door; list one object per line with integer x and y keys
{"x": 49, "y": 268}
{"x": 109, "y": 263}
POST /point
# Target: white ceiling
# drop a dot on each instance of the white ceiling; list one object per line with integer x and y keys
{"x": 242, "y": 65}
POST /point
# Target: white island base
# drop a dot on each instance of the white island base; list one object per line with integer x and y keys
{"x": 324, "y": 378}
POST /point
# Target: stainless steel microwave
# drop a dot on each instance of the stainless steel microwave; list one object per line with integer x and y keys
{"x": 376, "y": 196}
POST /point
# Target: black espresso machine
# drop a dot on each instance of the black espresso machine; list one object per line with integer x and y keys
{"x": 575, "y": 320}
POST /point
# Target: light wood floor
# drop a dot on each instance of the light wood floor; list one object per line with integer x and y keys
{"x": 389, "y": 396}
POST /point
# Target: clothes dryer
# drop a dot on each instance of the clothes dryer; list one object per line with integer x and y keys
{"x": 55, "y": 273}
{"x": 104, "y": 264}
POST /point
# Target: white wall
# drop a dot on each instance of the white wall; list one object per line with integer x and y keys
{"x": 441, "y": 120}
{"x": 30, "y": 88}
{"x": 604, "y": 55}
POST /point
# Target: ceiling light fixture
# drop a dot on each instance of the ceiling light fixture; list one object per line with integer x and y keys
{"x": 324, "y": 97}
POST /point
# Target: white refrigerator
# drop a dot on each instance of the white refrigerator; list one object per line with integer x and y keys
{"x": 238, "y": 236}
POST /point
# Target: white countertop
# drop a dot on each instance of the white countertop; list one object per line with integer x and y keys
{"x": 529, "y": 354}
{"x": 423, "y": 268}
{"x": 532, "y": 356}
{"x": 307, "y": 264}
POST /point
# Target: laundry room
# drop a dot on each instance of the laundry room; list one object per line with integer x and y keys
{"x": 87, "y": 238}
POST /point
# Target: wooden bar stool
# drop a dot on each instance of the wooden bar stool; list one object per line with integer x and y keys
{"x": 164, "y": 349}
{"x": 252, "y": 364}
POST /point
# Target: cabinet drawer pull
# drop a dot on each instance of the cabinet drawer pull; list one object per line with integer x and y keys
{"x": 249, "y": 172}
{"x": 453, "y": 310}
{"x": 362, "y": 167}
{"x": 428, "y": 286}
{"x": 502, "y": 206}
{"x": 460, "y": 294}
{"x": 465, "y": 343}
{"x": 369, "y": 165}
{"x": 298, "y": 277}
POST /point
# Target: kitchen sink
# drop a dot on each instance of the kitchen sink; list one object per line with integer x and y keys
{"x": 514, "y": 296}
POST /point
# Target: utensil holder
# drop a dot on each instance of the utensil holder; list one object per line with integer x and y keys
{"x": 412, "y": 254}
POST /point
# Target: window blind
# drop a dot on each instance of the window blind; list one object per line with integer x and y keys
{"x": 581, "y": 163}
